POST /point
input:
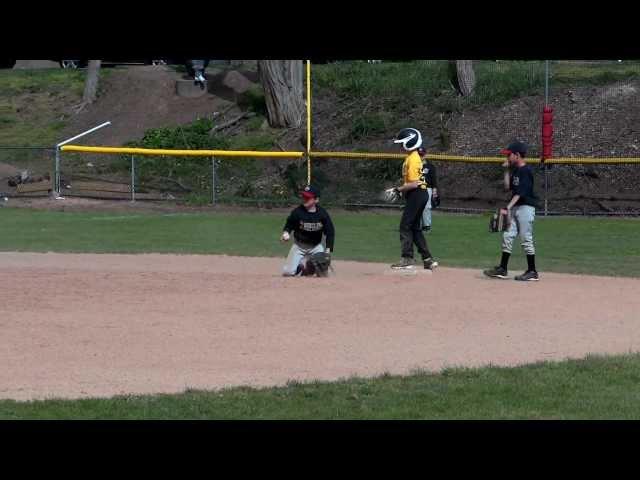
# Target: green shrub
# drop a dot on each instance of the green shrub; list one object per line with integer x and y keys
{"x": 193, "y": 171}
{"x": 253, "y": 100}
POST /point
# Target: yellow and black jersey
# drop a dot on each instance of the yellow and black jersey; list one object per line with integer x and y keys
{"x": 412, "y": 170}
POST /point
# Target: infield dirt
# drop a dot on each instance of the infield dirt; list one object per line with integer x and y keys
{"x": 86, "y": 325}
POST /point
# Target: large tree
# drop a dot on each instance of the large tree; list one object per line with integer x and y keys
{"x": 91, "y": 82}
{"x": 282, "y": 81}
{"x": 90, "y": 85}
{"x": 462, "y": 76}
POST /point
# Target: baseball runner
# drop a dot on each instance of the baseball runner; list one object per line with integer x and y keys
{"x": 431, "y": 180}
{"x": 521, "y": 212}
{"x": 308, "y": 223}
{"x": 416, "y": 196}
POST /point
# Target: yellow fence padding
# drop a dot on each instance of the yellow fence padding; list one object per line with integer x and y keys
{"x": 180, "y": 153}
{"x": 346, "y": 155}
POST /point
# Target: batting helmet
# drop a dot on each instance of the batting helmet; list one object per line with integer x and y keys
{"x": 410, "y": 138}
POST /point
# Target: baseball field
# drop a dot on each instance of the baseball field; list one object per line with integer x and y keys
{"x": 143, "y": 314}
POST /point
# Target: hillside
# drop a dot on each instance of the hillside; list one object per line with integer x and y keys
{"x": 359, "y": 107}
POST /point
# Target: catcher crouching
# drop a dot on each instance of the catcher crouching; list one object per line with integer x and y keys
{"x": 308, "y": 223}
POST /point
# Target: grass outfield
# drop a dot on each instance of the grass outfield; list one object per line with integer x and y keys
{"x": 573, "y": 245}
{"x": 594, "y": 388}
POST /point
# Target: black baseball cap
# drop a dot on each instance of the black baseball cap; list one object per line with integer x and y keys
{"x": 310, "y": 192}
{"x": 515, "y": 147}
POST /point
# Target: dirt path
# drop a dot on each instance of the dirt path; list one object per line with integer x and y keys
{"x": 102, "y": 325}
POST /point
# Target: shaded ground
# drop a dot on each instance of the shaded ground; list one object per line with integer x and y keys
{"x": 103, "y": 325}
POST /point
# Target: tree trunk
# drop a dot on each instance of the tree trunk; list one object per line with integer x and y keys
{"x": 91, "y": 82}
{"x": 463, "y": 77}
{"x": 283, "y": 90}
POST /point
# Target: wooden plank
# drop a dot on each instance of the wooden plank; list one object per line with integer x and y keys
{"x": 100, "y": 187}
{"x": 111, "y": 195}
{"x": 44, "y": 186}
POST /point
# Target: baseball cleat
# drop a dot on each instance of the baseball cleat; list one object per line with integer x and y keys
{"x": 496, "y": 272}
{"x": 404, "y": 263}
{"x": 430, "y": 263}
{"x": 528, "y": 276}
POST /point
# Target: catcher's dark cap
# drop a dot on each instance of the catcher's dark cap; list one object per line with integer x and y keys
{"x": 310, "y": 192}
{"x": 515, "y": 147}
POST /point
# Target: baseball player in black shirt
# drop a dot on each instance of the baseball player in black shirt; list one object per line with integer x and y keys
{"x": 308, "y": 222}
{"x": 521, "y": 211}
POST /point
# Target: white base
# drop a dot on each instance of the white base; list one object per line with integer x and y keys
{"x": 417, "y": 270}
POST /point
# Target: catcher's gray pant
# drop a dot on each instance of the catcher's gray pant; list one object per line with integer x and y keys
{"x": 426, "y": 215}
{"x": 296, "y": 256}
{"x": 522, "y": 218}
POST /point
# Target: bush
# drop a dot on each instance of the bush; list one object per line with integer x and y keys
{"x": 192, "y": 171}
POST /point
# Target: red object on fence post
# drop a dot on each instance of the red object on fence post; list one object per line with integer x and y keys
{"x": 547, "y": 133}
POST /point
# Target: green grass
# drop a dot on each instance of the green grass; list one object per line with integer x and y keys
{"x": 575, "y": 245}
{"x": 423, "y": 81}
{"x": 571, "y": 74}
{"x": 593, "y": 388}
{"x": 427, "y": 81}
{"x": 31, "y": 104}
{"x": 52, "y": 81}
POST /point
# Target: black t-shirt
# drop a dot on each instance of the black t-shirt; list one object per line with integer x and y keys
{"x": 308, "y": 227}
{"x": 522, "y": 184}
{"x": 429, "y": 173}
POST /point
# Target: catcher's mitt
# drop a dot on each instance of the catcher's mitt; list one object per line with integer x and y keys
{"x": 435, "y": 201}
{"x": 318, "y": 264}
{"x": 499, "y": 221}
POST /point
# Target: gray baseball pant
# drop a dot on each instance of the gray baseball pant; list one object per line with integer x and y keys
{"x": 522, "y": 218}
{"x": 426, "y": 214}
{"x": 297, "y": 255}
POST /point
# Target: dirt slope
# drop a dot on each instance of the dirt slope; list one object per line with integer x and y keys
{"x": 136, "y": 99}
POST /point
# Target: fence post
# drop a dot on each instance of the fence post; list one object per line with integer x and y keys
{"x": 69, "y": 140}
{"x": 546, "y": 189}
{"x": 546, "y": 167}
{"x": 213, "y": 180}
{"x": 56, "y": 174}
{"x": 133, "y": 178}
{"x": 546, "y": 82}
